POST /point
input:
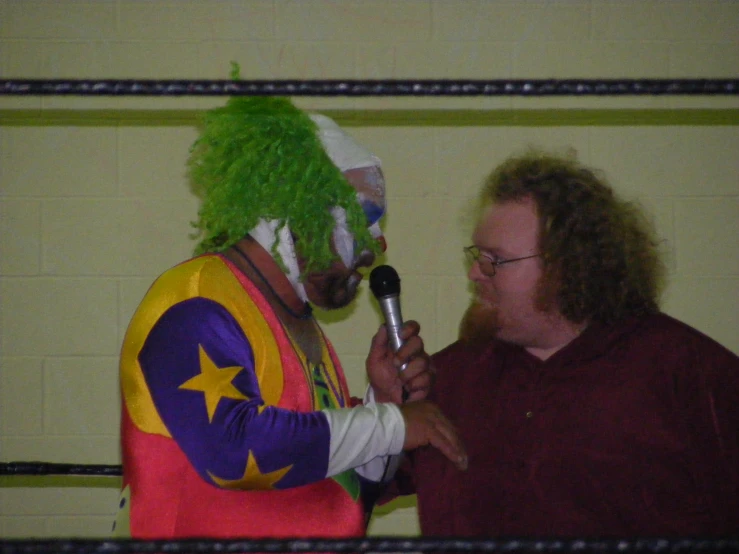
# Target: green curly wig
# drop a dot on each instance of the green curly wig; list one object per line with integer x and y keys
{"x": 260, "y": 157}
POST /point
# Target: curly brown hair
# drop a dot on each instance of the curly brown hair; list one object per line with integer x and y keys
{"x": 601, "y": 254}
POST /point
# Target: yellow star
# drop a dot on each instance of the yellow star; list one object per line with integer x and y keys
{"x": 215, "y": 382}
{"x": 253, "y": 477}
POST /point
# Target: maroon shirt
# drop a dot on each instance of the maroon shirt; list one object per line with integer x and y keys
{"x": 629, "y": 431}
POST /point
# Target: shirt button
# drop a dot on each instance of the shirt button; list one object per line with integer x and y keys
{"x": 529, "y": 415}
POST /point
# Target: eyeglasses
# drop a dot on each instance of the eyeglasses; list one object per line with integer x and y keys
{"x": 487, "y": 264}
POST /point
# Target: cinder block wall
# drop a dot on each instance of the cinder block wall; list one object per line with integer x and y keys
{"x": 94, "y": 201}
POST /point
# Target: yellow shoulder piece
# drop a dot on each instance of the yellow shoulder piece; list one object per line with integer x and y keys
{"x": 206, "y": 277}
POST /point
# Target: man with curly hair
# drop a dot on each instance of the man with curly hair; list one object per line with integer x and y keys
{"x": 236, "y": 417}
{"x": 586, "y": 411}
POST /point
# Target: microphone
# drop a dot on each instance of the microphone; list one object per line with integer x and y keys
{"x": 385, "y": 285}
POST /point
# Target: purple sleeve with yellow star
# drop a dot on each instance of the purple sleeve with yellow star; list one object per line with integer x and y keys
{"x": 199, "y": 367}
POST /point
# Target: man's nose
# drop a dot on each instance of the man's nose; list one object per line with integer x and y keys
{"x": 474, "y": 274}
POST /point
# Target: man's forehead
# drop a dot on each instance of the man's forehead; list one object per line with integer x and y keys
{"x": 507, "y": 225}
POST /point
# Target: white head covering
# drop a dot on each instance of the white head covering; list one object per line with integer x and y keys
{"x": 346, "y": 154}
{"x": 343, "y": 150}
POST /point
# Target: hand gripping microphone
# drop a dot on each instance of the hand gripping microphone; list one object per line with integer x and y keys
{"x": 385, "y": 285}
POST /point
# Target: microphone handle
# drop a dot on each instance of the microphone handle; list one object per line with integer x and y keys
{"x": 393, "y": 320}
{"x": 390, "y": 306}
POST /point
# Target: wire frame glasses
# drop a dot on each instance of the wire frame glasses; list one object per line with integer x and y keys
{"x": 488, "y": 265}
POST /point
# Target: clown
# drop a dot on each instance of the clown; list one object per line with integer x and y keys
{"x": 236, "y": 417}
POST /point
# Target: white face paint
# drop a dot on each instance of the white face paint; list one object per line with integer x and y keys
{"x": 363, "y": 171}
{"x": 343, "y": 239}
{"x": 265, "y": 234}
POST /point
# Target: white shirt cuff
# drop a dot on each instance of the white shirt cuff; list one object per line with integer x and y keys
{"x": 364, "y": 437}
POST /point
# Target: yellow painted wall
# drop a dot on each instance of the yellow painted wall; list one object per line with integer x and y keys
{"x": 94, "y": 202}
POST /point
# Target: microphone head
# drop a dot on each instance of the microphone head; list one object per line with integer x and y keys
{"x": 384, "y": 281}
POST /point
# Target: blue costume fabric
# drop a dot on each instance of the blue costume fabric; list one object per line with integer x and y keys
{"x": 222, "y": 432}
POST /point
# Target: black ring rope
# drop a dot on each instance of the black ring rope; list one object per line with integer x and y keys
{"x": 388, "y": 87}
{"x": 377, "y": 544}
{"x": 47, "y": 468}
{"x": 129, "y": 546}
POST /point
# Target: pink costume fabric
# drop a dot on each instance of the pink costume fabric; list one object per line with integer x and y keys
{"x": 223, "y": 435}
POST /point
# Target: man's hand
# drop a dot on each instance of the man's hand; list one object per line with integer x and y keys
{"x": 383, "y": 366}
{"x": 426, "y": 425}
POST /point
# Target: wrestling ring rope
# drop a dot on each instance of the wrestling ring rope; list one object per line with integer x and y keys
{"x": 436, "y": 87}
{"x": 196, "y": 546}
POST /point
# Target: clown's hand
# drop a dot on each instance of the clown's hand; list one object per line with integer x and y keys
{"x": 426, "y": 425}
{"x": 386, "y": 378}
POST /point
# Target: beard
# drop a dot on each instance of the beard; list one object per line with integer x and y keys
{"x": 480, "y": 323}
{"x": 513, "y": 323}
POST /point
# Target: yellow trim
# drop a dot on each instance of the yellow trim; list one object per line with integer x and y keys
{"x": 253, "y": 478}
{"x": 331, "y": 372}
{"x": 304, "y": 365}
{"x": 206, "y": 277}
{"x": 332, "y": 375}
